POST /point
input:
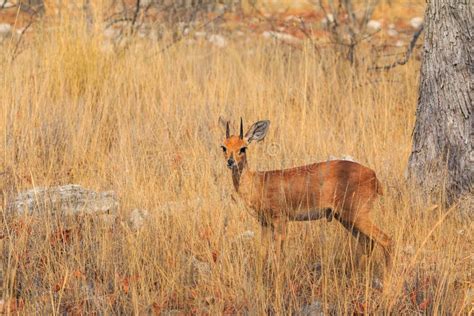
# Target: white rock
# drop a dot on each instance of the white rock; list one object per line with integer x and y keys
{"x": 374, "y": 25}
{"x": 285, "y": 37}
{"x": 327, "y": 20}
{"x": 416, "y": 22}
{"x": 218, "y": 40}
{"x": 6, "y": 5}
{"x": 400, "y": 43}
{"x": 137, "y": 218}
{"x": 70, "y": 199}
{"x": 5, "y": 30}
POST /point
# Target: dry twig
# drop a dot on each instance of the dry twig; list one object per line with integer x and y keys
{"x": 408, "y": 53}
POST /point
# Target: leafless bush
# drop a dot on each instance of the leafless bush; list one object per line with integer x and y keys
{"x": 348, "y": 23}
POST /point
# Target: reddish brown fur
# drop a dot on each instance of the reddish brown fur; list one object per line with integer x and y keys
{"x": 344, "y": 189}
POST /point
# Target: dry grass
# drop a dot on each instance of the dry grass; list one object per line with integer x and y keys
{"x": 144, "y": 124}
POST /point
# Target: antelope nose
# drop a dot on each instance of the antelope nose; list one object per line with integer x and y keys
{"x": 230, "y": 162}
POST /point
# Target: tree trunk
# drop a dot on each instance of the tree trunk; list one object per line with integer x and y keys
{"x": 442, "y": 158}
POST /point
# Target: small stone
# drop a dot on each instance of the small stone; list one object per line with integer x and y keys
{"x": 5, "y": 30}
{"x": 416, "y": 22}
{"x": 218, "y": 40}
{"x": 330, "y": 17}
{"x": 6, "y": 5}
{"x": 284, "y": 37}
{"x": 313, "y": 309}
{"x": 374, "y": 25}
{"x": 400, "y": 43}
{"x": 137, "y": 218}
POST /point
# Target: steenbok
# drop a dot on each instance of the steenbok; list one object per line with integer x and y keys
{"x": 341, "y": 189}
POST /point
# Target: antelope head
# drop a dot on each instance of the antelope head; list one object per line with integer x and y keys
{"x": 234, "y": 147}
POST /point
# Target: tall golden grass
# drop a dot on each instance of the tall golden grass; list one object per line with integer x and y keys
{"x": 144, "y": 123}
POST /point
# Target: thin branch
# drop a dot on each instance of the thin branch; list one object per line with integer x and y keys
{"x": 304, "y": 29}
{"x": 15, "y": 52}
{"x": 180, "y": 38}
{"x": 407, "y": 54}
{"x": 4, "y": 5}
{"x": 111, "y": 23}
{"x": 135, "y": 14}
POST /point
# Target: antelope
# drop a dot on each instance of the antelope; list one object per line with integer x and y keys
{"x": 341, "y": 189}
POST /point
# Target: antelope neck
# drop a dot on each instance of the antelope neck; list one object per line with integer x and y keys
{"x": 237, "y": 175}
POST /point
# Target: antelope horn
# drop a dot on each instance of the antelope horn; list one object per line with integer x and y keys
{"x": 227, "y": 130}
{"x": 241, "y": 129}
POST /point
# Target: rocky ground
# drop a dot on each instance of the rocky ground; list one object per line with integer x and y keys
{"x": 390, "y": 28}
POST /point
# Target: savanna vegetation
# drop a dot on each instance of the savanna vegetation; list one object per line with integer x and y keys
{"x": 141, "y": 119}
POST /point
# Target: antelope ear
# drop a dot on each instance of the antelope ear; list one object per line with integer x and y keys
{"x": 257, "y": 131}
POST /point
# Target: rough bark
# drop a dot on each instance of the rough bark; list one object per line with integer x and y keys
{"x": 442, "y": 157}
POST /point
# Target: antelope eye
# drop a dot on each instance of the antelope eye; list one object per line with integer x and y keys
{"x": 223, "y": 148}
{"x": 242, "y": 150}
